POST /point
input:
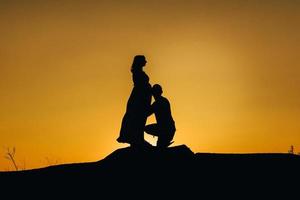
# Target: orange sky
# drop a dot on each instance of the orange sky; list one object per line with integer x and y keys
{"x": 229, "y": 68}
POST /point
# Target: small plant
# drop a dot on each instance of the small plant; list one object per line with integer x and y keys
{"x": 51, "y": 162}
{"x": 23, "y": 167}
{"x": 10, "y": 155}
{"x": 291, "y": 150}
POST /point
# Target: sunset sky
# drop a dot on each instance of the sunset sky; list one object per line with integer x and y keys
{"x": 231, "y": 70}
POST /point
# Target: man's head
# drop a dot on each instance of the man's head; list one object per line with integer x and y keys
{"x": 156, "y": 90}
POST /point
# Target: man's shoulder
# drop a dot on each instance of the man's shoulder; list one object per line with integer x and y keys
{"x": 164, "y": 100}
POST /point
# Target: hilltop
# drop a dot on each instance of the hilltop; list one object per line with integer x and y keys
{"x": 171, "y": 172}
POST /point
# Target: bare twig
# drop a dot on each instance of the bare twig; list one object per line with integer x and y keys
{"x": 24, "y": 165}
{"x": 10, "y": 155}
{"x": 51, "y": 162}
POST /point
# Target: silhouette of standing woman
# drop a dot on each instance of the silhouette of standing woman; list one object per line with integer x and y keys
{"x": 134, "y": 120}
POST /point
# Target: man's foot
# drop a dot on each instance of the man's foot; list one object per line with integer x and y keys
{"x": 147, "y": 144}
{"x": 122, "y": 139}
{"x": 165, "y": 145}
{"x": 143, "y": 145}
{"x": 171, "y": 142}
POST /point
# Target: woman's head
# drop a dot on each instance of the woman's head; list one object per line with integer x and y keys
{"x": 139, "y": 62}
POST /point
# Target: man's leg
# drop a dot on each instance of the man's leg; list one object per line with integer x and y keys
{"x": 152, "y": 129}
{"x": 165, "y": 138}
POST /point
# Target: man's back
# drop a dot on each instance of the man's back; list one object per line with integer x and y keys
{"x": 162, "y": 110}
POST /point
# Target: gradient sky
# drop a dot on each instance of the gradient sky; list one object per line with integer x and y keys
{"x": 230, "y": 69}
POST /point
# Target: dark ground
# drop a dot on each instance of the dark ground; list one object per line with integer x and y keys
{"x": 174, "y": 172}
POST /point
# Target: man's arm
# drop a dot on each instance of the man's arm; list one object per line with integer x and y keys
{"x": 151, "y": 109}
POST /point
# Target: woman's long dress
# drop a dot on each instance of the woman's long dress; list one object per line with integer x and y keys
{"x": 134, "y": 120}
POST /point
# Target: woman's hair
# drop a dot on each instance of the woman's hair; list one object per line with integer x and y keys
{"x": 138, "y": 62}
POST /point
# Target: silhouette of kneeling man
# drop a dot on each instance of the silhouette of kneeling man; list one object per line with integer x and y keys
{"x": 164, "y": 128}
